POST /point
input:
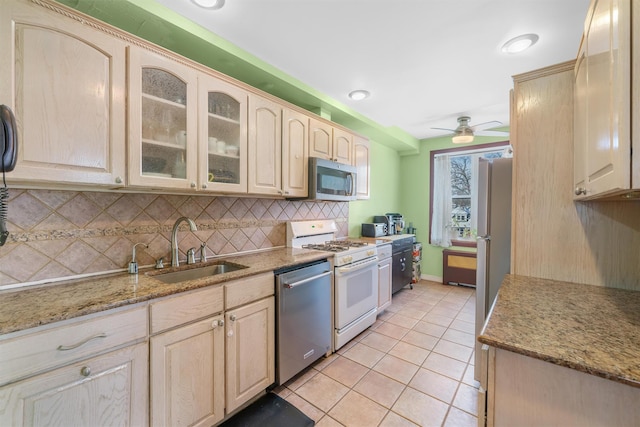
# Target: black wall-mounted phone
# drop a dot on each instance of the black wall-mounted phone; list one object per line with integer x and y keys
{"x": 8, "y": 140}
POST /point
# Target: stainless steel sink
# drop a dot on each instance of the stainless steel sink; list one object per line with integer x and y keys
{"x": 198, "y": 272}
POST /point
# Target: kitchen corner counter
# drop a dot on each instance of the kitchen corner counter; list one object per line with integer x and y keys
{"x": 43, "y": 304}
{"x": 384, "y": 239}
{"x": 591, "y": 329}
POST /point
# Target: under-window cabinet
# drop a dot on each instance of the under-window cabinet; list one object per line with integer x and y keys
{"x": 602, "y": 103}
{"x": 162, "y": 121}
{"x": 222, "y": 136}
{"x": 328, "y": 142}
{"x": 71, "y": 117}
{"x": 250, "y": 338}
{"x": 187, "y": 359}
{"x": 361, "y": 156}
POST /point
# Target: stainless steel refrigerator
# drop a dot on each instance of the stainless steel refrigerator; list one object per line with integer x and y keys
{"x": 494, "y": 241}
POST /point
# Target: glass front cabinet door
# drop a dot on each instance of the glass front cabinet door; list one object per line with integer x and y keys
{"x": 222, "y": 136}
{"x": 162, "y": 122}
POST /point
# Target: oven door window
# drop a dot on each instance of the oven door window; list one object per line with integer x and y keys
{"x": 356, "y": 291}
{"x": 334, "y": 182}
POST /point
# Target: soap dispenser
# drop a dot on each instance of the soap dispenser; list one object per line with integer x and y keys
{"x": 133, "y": 265}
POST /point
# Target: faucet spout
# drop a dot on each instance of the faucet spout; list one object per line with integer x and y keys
{"x": 174, "y": 238}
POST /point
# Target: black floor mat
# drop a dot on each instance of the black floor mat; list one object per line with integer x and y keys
{"x": 269, "y": 411}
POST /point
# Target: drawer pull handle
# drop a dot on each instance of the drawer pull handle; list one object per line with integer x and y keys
{"x": 85, "y": 371}
{"x": 74, "y": 346}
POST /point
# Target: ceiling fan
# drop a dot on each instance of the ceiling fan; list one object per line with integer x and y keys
{"x": 465, "y": 133}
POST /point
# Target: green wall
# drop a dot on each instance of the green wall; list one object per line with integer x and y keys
{"x": 414, "y": 193}
{"x": 385, "y": 181}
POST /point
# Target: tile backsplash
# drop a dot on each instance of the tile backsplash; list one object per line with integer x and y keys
{"x": 59, "y": 234}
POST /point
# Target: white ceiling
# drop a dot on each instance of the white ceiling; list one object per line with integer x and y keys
{"x": 425, "y": 62}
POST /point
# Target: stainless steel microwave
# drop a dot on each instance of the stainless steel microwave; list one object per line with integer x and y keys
{"x": 331, "y": 180}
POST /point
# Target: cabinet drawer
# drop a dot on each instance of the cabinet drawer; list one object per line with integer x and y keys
{"x": 184, "y": 308}
{"x": 23, "y": 356}
{"x": 384, "y": 251}
{"x": 244, "y": 291}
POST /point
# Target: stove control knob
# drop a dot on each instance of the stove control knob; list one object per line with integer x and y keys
{"x": 370, "y": 253}
{"x": 347, "y": 259}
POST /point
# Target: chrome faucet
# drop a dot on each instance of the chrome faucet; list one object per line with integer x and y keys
{"x": 174, "y": 239}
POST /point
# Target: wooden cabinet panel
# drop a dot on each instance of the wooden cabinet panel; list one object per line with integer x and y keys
{"x": 179, "y": 309}
{"x": 250, "y": 347}
{"x": 265, "y": 146}
{"x": 295, "y": 153}
{"x": 71, "y": 117}
{"x": 249, "y": 289}
{"x": 111, "y": 389}
{"x": 320, "y": 139}
{"x": 361, "y": 157}
{"x": 384, "y": 284}
{"x": 187, "y": 375}
{"x": 342, "y": 146}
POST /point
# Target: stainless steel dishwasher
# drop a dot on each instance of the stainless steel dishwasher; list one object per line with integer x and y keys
{"x": 303, "y": 298}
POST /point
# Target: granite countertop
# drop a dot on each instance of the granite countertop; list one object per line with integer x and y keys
{"x": 39, "y": 305}
{"x": 591, "y": 329}
{"x": 384, "y": 239}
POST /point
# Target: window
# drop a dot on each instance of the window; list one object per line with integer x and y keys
{"x": 454, "y": 193}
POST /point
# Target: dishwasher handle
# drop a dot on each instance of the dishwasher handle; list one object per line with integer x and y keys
{"x": 307, "y": 280}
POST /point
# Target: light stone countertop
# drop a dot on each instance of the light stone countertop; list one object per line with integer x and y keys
{"x": 29, "y": 307}
{"x": 591, "y": 329}
{"x": 384, "y": 239}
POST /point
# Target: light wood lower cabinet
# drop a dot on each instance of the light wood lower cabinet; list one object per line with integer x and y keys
{"x": 250, "y": 361}
{"x": 384, "y": 277}
{"x": 187, "y": 375}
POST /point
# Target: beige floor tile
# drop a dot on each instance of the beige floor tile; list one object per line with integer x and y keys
{"x": 356, "y": 410}
{"x": 467, "y": 399}
{"x": 461, "y": 325}
{"x": 307, "y": 408}
{"x": 401, "y": 320}
{"x": 459, "y": 337}
{"x": 425, "y": 306}
{"x": 297, "y": 381}
{"x": 468, "y": 377}
{"x": 438, "y": 319}
{"x": 396, "y": 368}
{"x": 445, "y": 309}
{"x": 445, "y": 365}
{"x": 467, "y": 316}
{"x": 435, "y": 385}
{"x": 430, "y": 329}
{"x": 379, "y": 341}
{"x": 347, "y": 346}
{"x": 421, "y": 340}
{"x": 323, "y": 362}
{"x": 453, "y": 350}
{"x": 413, "y": 313}
{"x": 394, "y": 420}
{"x": 322, "y": 392}
{"x": 327, "y": 421}
{"x": 391, "y": 330}
{"x": 421, "y": 409}
{"x": 379, "y": 388}
{"x": 364, "y": 355}
{"x": 409, "y": 352}
{"x": 282, "y": 391}
{"x": 458, "y": 418}
{"x": 345, "y": 371}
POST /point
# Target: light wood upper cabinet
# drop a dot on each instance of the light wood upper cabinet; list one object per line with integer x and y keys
{"x": 265, "y": 146}
{"x": 328, "y": 142}
{"x": 222, "y": 136}
{"x": 602, "y": 107}
{"x": 361, "y": 158}
{"x": 295, "y": 153}
{"x": 162, "y": 121}
{"x": 65, "y": 82}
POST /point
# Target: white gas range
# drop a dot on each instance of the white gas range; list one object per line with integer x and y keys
{"x": 355, "y": 278}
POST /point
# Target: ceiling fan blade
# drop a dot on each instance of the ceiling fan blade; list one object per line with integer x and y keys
{"x": 486, "y": 125}
{"x": 492, "y": 133}
{"x": 450, "y": 130}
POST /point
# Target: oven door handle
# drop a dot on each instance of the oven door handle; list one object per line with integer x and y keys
{"x": 356, "y": 266}
{"x": 307, "y": 280}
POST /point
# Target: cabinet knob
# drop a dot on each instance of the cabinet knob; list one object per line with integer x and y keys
{"x": 204, "y": 186}
{"x": 580, "y": 190}
{"x": 216, "y": 323}
{"x": 118, "y": 180}
{"x": 232, "y": 317}
{"x": 193, "y": 185}
{"x": 85, "y": 371}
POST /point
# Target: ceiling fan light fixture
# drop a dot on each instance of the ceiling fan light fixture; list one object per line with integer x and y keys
{"x": 520, "y": 43}
{"x": 359, "y": 95}
{"x": 463, "y": 138}
{"x": 209, "y": 4}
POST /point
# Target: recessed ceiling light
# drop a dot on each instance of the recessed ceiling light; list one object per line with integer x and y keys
{"x": 358, "y": 95}
{"x": 209, "y": 4}
{"x": 520, "y": 43}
